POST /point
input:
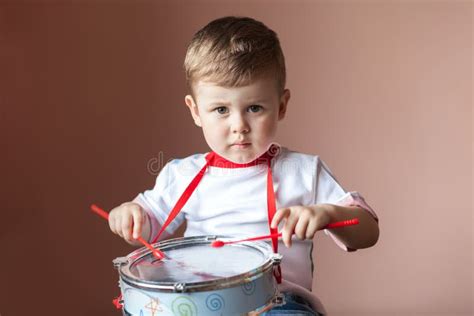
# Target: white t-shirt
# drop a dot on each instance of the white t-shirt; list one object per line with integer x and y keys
{"x": 234, "y": 202}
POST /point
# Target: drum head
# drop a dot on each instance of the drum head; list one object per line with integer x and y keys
{"x": 192, "y": 260}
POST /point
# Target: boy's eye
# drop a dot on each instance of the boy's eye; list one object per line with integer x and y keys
{"x": 221, "y": 110}
{"x": 255, "y": 108}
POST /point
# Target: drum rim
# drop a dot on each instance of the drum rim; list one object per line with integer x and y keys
{"x": 246, "y": 277}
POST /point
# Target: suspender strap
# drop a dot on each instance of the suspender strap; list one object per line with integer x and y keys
{"x": 271, "y": 212}
{"x": 182, "y": 200}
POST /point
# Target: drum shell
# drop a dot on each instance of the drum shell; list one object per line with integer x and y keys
{"x": 235, "y": 295}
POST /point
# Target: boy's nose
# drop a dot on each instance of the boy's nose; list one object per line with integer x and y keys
{"x": 240, "y": 125}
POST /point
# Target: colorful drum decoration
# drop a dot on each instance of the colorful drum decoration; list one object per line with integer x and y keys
{"x": 196, "y": 279}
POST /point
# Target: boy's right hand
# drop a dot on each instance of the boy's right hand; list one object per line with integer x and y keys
{"x": 129, "y": 221}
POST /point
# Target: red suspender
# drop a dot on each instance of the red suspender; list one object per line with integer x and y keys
{"x": 183, "y": 199}
{"x": 271, "y": 212}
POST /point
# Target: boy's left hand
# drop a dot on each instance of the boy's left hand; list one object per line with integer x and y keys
{"x": 304, "y": 221}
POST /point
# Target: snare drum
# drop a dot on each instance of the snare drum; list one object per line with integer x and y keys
{"x": 198, "y": 279}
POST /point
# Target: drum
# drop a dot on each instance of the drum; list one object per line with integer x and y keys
{"x": 198, "y": 279}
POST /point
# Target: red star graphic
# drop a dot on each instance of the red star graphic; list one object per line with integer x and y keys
{"x": 154, "y": 306}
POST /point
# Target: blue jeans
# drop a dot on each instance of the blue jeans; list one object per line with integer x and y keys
{"x": 295, "y": 305}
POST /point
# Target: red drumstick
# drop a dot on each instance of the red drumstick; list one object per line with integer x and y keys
{"x": 156, "y": 252}
{"x": 220, "y": 243}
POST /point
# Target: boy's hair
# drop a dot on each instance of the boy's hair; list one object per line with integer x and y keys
{"x": 232, "y": 52}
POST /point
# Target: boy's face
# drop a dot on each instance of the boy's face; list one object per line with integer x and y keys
{"x": 238, "y": 123}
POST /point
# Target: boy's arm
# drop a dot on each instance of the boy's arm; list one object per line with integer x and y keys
{"x": 363, "y": 235}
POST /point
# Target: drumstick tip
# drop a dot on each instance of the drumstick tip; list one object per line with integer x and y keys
{"x": 217, "y": 243}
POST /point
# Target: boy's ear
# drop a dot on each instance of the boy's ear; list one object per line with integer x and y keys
{"x": 193, "y": 109}
{"x": 283, "y": 104}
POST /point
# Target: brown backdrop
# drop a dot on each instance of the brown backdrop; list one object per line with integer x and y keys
{"x": 91, "y": 97}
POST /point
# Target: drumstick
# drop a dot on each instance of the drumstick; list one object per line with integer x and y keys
{"x": 156, "y": 252}
{"x": 220, "y": 243}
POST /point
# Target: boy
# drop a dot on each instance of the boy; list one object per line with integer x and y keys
{"x": 235, "y": 70}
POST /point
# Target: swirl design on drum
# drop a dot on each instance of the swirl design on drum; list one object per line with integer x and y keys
{"x": 215, "y": 302}
{"x": 183, "y": 306}
{"x": 248, "y": 288}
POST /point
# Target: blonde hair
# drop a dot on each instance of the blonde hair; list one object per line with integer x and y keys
{"x": 234, "y": 51}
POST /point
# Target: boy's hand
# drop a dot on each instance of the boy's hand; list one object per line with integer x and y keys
{"x": 127, "y": 221}
{"x": 304, "y": 221}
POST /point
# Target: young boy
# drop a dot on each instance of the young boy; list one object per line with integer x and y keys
{"x": 236, "y": 75}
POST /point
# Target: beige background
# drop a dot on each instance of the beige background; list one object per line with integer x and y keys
{"x": 91, "y": 97}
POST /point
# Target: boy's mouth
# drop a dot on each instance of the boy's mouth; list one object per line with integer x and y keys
{"x": 241, "y": 145}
